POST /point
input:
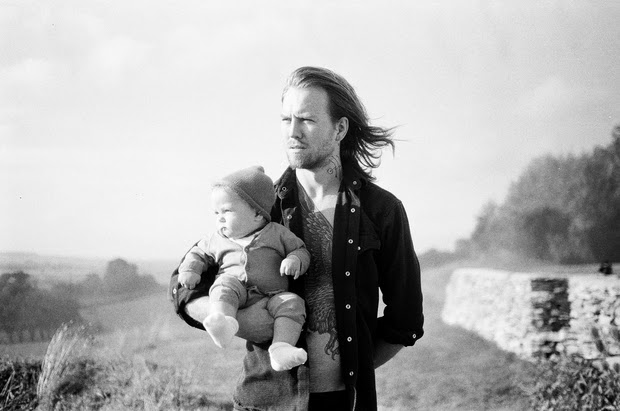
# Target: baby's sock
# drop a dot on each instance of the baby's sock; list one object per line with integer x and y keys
{"x": 221, "y": 328}
{"x": 284, "y": 356}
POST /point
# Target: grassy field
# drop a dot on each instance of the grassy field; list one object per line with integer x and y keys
{"x": 448, "y": 369}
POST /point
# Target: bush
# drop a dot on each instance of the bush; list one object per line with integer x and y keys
{"x": 18, "y": 382}
{"x": 577, "y": 384}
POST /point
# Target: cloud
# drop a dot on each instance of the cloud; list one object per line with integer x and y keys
{"x": 25, "y": 81}
{"x": 554, "y": 96}
{"x": 112, "y": 60}
{"x": 118, "y": 108}
{"x": 31, "y": 72}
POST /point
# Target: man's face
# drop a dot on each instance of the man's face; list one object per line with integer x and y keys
{"x": 310, "y": 136}
{"x": 234, "y": 218}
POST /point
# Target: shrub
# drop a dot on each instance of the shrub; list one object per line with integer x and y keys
{"x": 577, "y": 384}
{"x": 18, "y": 381}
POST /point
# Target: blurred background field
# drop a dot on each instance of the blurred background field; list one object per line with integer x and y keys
{"x": 449, "y": 368}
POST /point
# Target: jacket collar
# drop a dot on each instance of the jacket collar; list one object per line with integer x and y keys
{"x": 287, "y": 183}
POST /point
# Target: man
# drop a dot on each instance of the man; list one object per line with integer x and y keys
{"x": 359, "y": 239}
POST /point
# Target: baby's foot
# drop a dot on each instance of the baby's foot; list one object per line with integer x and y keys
{"x": 284, "y": 356}
{"x": 221, "y": 328}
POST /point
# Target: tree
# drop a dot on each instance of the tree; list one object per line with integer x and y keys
{"x": 601, "y": 206}
{"x": 560, "y": 209}
{"x": 120, "y": 276}
{"x": 546, "y": 231}
{"x": 25, "y": 307}
{"x": 92, "y": 284}
{"x": 15, "y": 288}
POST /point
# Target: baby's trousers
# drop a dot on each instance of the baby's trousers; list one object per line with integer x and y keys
{"x": 230, "y": 290}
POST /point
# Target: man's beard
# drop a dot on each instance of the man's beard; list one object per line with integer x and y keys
{"x": 307, "y": 161}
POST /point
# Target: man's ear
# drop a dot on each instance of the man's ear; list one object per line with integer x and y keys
{"x": 342, "y": 126}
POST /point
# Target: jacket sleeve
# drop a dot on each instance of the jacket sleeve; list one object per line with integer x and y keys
{"x": 179, "y": 296}
{"x": 403, "y": 318}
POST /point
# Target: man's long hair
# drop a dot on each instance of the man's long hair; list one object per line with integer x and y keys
{"x": 360, "y": 150}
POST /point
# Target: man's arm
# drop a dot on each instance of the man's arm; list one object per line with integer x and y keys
{"x": 255, "y": 322}
{"x": 403, "y": 319}
{"x": 384, "y": 352}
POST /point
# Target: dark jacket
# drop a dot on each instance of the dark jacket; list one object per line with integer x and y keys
{"x": 372, "y": 250}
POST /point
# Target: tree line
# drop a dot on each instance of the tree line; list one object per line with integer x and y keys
{"x": 561, "y": 209}
{"x": 29, "y": 312}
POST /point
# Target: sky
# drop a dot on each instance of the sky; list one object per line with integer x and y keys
{"x": 115, "y": 116}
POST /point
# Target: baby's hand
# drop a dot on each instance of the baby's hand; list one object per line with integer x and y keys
{"x": 291, "y": 265}
{"x": 188, "y": 279}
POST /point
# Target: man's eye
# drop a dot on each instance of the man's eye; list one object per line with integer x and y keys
{"x": 286, "y": 119}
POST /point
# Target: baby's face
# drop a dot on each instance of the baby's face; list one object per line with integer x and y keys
{"x": 233, "y": 217}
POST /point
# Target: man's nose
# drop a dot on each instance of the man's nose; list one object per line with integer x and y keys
{"x": 293, "y": 129}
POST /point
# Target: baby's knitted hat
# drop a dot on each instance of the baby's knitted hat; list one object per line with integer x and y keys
{"x": 254, "y": 187}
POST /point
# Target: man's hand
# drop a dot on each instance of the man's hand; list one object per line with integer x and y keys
{"x": 291, "y": 265}
{"x": 188, "y": 279}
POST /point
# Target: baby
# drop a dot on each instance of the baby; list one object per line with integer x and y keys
{"x": 253, "y": 255}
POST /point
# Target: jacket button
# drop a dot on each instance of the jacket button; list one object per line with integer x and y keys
{"x": 288, "y": 217}
{"x": 414, "y": 336}
{"x": 350, "y": 241}
{"x": 351, "y": 373}
{"x": 348, "y": 307}
{"x": 347, "y": 273}
{"x": 353, "y": 210}
{"x": 349, "y": 339}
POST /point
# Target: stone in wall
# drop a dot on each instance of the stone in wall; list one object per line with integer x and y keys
{"x": 595, "y": 303}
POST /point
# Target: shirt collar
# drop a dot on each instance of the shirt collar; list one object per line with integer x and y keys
{"x": 287, "y": 183}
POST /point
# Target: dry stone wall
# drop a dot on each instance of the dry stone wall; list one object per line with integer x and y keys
{"x": 537, "y": 314}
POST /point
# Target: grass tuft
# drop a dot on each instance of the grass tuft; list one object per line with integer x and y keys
{"x": 65, "y": 370}
{"x": 77, "y": 374}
